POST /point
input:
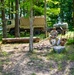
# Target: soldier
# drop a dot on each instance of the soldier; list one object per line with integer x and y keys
{"x": 53, "y": 36}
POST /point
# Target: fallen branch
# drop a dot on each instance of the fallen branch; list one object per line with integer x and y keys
{"x": 19, "y": 40}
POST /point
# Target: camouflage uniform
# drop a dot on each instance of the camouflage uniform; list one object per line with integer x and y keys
{"x": 53, "y": 34}
{"x": 53, "y": 37}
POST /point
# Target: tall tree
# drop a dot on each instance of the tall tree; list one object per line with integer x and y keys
{"x": 73, "y": 12}
{"x": 3, "y": 20}
{"x": 61, "y": 11}
{"x": 45, "y": 19}
{"x": 31, "y": 28}
{"x": 12, "y": 9}
{"x": 17, "y": 34}
{"x": 9, "y": 9}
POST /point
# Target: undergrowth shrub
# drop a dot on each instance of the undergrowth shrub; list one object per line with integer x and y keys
{"x": 70, "y": 41}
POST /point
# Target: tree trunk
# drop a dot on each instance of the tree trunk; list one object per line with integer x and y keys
{"x": 12, "y": 8}
{"x": 45, "y": 20}
{"x": 9, "y": 9}
{"x": 17, "y": 34}
{"x": 73, "y": 12}
{"x": 61, "y": 12}
{"x": 20, "y": 14}
{"x": 31, "y": 29}
{"x": 3, "y": 20}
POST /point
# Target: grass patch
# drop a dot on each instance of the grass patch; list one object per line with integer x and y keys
{"x": 70, "y": 41}
{"x": 0, "y": 37}
{"x": 1, "y": 63}
{"x": 10, "y": 36}
{"x": 56, "y": 56}
{"x": 72, "y": 71}
{"x": 70, "y": 52}
{"x": 33, "y": 74}
{"x": 70, "y": 37}
{"x": 4, "y": 53}
{"x": 42, "y": 36}
{"x": 70, "y": 57}
{"x": 59, "y": 67}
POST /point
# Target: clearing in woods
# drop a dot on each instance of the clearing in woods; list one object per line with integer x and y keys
{"x": 16, "y": 60}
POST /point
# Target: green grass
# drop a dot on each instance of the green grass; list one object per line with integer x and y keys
{"x": 70, "y": 41}
{"x": 56, "y": 56}
{"x": 10, "y": 36}
{"x": 69, "y": 36}
{"x": 1, "y": 63}
{"x": 4, "y": 53}
{"x": 0, "y": 37}
{"x": 33, "y": 74}
{"x": 71, "y": 57}
{"x": 60, "y": 67}
{"x": 72, "y": 71}
{"x": 42, "y": 36}
{"x": 66, "y": 55}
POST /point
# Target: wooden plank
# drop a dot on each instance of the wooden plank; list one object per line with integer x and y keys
{"x": 19, "y": 40}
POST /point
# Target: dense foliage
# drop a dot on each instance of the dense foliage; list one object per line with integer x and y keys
{"x": 55, "y": 8}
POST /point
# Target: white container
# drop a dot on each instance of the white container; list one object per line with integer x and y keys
{"x": 59, "y": 49}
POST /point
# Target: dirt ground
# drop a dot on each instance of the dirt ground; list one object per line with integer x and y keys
{"x": 18, "y": 61}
